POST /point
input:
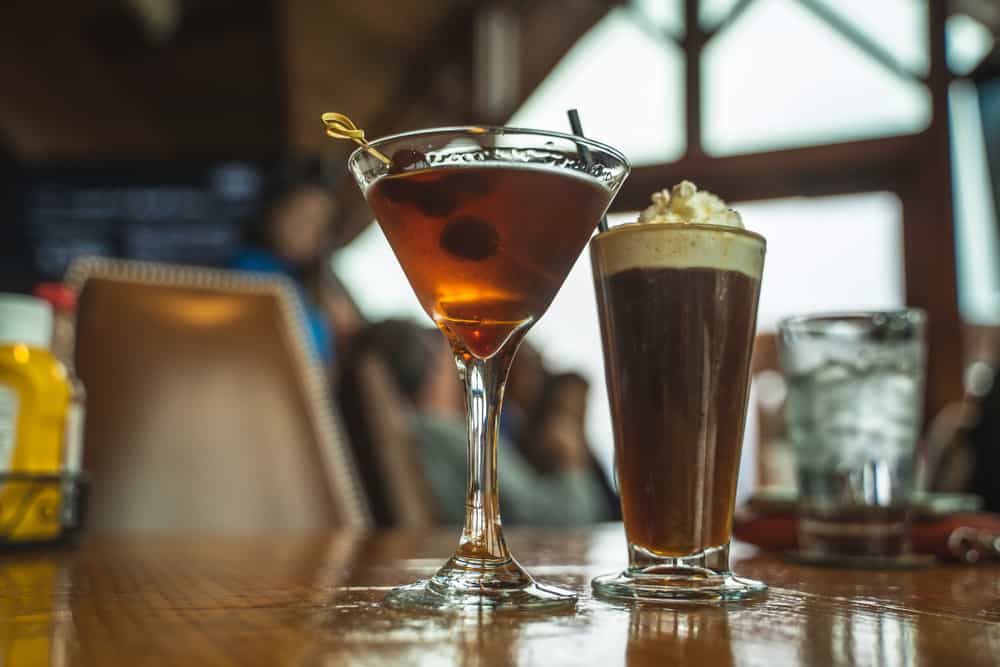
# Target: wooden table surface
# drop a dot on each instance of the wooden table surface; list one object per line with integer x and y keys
{"x": 315, "y": 601}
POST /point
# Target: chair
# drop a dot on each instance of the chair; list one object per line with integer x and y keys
{"x": 206, "y": 410}
{"x": 377, "y": 419}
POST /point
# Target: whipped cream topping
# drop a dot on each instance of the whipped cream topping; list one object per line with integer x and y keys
{"x": 686, "y": 204}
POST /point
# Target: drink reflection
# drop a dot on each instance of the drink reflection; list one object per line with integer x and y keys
{"x": 354, "y": 621}
{"x": 860, "y": 638}
{"x": 475, "y": 639}
{"x": 33, "y": 629}
{"x": 488, "y": 639}
{"x": 663, "y": 636}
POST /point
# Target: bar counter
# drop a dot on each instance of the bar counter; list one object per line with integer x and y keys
{"x": 280, "y": 600}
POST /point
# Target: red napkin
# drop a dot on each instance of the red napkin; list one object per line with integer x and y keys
{"x": 963, "y": 537}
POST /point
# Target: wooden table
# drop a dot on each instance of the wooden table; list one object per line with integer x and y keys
{"x": 315, "y": 601}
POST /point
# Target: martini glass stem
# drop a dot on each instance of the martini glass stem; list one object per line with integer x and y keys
{"x": 482, "y": 538}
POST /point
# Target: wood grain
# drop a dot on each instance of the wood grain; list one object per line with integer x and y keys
{"x": 315, "y": 601}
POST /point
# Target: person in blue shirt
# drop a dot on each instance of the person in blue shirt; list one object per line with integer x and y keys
{"x": 293, "y": 237}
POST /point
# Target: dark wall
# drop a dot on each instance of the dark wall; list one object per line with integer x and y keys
{"x": 15, "y": 270}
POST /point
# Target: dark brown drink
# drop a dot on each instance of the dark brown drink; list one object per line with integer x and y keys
{"x": 682, "y": 415}
{"x": 678, "y": 307}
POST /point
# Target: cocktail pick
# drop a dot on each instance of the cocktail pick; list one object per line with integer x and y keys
{"x": 340, "y": 126}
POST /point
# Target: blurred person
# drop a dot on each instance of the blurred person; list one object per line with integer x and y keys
{"x": 293, "y": 237}
{"x": 568, "y": 492}
{"x": 339, "y": 307}
{"x": 963, "y": 443}
{"x": 554, "y": 434}
{"x": 525, "y": 383}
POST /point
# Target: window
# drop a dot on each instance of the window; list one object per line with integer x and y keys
{"x": 664, "y": 15}
{"x": 819, "y": 238}
{"x": 624, "y": 79}
{"x": 371, "y": 274}
{"x": 810, "y": 86}
{"x": 713, "y": 12}
{"x": 968, "y": 43}
{"x": 897, "y": 26}
{"x": 976, "y": 242}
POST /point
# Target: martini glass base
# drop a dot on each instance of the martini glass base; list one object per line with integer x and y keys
{"x": 677, "y": 585}
{"x": 463, "y": 585}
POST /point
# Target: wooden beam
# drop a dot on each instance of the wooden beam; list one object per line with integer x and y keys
{"x": 438, "y": 87}
{"x": 735, "y": 13}
{"x": 80, "y": 80}
{"x": 373, "y": 61}
{"x": 58, "y": 100}
{"x": 856, "y": 166}
{"x": 497, "y": 46}
{"x": 870, "y": 47}
{"x": 549, "y": 31}
{"x": 929, "y": 234}
{"x": 915, "y": 167}
{"x": 433, "y": 88}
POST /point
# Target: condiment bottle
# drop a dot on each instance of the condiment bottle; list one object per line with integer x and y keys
{"x": 35, "y": 396}
{"x": 62, "y": 298}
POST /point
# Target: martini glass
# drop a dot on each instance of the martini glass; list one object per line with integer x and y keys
{"x": 486, "y": 222}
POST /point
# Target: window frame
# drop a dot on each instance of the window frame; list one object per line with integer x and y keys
{"x": 916, "y": 167}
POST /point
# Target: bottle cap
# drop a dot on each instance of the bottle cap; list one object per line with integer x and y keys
{"x": 61, "y": 296}
{"x": 25, "y": 319}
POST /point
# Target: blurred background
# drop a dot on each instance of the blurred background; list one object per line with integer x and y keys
{"x": 861, "y": 138}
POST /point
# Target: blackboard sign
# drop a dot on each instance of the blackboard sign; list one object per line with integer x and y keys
{"x": 178, "y": 212}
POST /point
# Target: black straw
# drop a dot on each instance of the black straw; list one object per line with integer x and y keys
{"x": 584, "y": 151}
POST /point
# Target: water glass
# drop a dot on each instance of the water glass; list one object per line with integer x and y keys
{"x": 855, "y": 392}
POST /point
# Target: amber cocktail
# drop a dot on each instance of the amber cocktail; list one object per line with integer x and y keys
{"x": 486, "y": 247}
{"x": 486, "y": 223}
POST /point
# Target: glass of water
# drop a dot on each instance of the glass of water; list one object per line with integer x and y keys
{"x": 855, "y": 393}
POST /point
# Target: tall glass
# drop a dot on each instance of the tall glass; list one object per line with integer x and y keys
{"x": 486, "y": 223}
{"x": 855, "y": 392}
{"x": 678, "y": 312}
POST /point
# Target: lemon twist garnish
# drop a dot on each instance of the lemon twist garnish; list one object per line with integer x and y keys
{"x": 340, "y": 126}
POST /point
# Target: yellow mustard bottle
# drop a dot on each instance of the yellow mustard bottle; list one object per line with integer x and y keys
{"x": 35, "y": 394}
